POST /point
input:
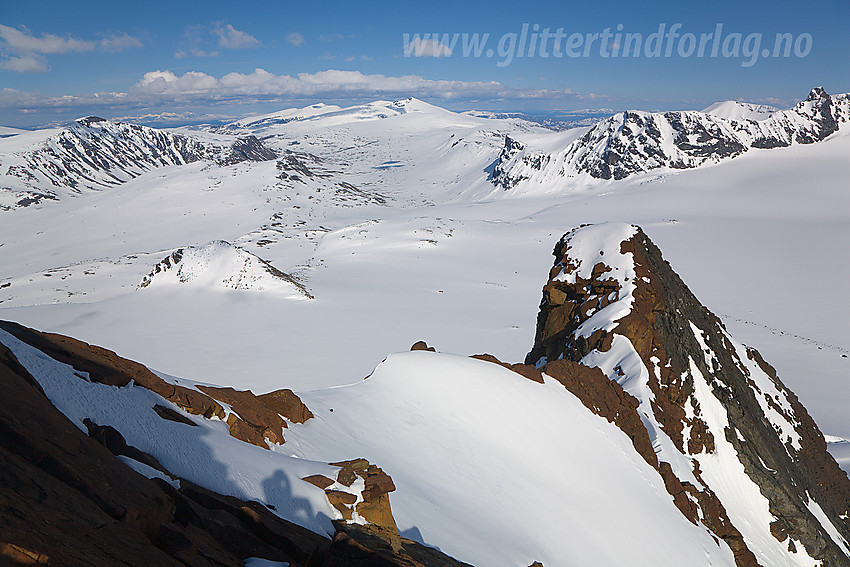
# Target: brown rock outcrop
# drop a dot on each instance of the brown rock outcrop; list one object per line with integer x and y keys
{"x": 524, "y": 370}
{"x": 106, "y": 367}
{"x": 659, "y": 327}
{"x": 375, "y": 504}
{"x": 259, "y": 418}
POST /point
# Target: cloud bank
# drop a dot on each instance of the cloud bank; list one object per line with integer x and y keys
{"x": 158, "y": 88}
{"x": 23, "y": 52}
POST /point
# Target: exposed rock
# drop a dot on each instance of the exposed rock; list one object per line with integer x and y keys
{"x": 375, "y": 504}
{"x": 606, "y": 398}
{"x": 254, "y": 414}
{"x": 422, "y": 345}
{"x": 525, "y": 370}
{"x": 679, "y": 342}
{"x": 171, "y": 415}
{"x": 248, "y": 148}
{"x": 112, "y": 439}
{"x": 94, "y": 154}
{"x": 633, "y": 142}
{"x": 106, "y": 367}
{"x": 367, "y": 546}
{"x": 318, "y": 480}
{"x": 342, "y": 501}
{"x": 286, "y": 403}
{"x": 63, "y": 495}
{"x": 65, "y": 499}
{"x": 222, "y": 265}
{"x": 259, "y": 417}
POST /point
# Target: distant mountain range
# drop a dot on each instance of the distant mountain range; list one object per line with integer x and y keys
{"x": 634, "y": 142}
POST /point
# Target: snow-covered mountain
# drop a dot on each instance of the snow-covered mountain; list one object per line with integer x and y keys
{"x": 222, "y": 265}
{"x": 94, "y": 154}
{"x": 634, "y": 142}
{"x": 642, "y": 433}
{"x": 737, "y": 451}
{"x": 737, "y": 110}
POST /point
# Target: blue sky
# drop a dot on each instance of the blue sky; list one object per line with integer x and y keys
{"x": 60, "y": 60}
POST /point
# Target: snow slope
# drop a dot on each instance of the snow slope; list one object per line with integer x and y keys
{"x": 399, "y": 235}
{"x": 498, "y": 470}
{"x": 628, "y": 303}
{"x": 476, "y": 452}
{"x": 736, "y": 110}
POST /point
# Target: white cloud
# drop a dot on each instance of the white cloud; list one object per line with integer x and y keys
{"x": 167, "y": 83}
{"x": 231, "y": 38}
{"x": 28, "y": 51}
{"x": 295, "y": 39}
{"x": 119, "y": 42}
{"x": 206, "y": 40}
{"x": 22, "y": 41}
{"x": 429, "y": 48}
{"x": 32, "y": 63}
{"x": 163, "y": 90}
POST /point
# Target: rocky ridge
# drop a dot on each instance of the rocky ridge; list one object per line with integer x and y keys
{"x": 634, "y": 142}
{"x": 738, "y": 454}
{"x": 621, "y": 330}
{"x": 68, "y": 499}
{"x": 94, "y": 154}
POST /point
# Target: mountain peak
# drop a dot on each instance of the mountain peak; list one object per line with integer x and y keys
{"x": 817, "y": 93}
{"x": 694, "y": 395}
{"x": 88, "y": 120}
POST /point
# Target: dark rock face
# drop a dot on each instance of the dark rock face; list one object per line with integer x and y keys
{"x": 633, "y": 142}
{"x": 249, "y": 148}
{"x": 690, "y": 364}
{"x": 62, "y": 495}
{"x": 94, "y": 153}
{"x": 355, "y": 545}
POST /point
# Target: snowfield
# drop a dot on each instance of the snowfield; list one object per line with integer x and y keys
{"x": 380, "y": 225}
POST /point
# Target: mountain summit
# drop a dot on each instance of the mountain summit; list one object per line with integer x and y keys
{"x": 736, "y": 449}
{"x": 632, "y": 142}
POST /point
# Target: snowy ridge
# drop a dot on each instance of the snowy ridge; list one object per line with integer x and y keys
{"x": 94, "y": 154}
{"x": 635, "y": 141}
{"x": 611, "y": 304}
{"x": 221, "y": 265}
{"x": 334, "y": 115}
{"x": 737, "y": 110}
{"x": 220, "y": 462}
